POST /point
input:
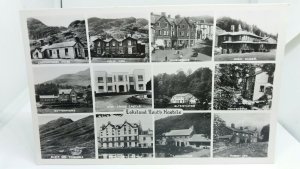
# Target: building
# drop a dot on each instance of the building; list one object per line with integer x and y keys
{"x": 241, "y": 41}
{"x": 126, "y": 135}
{"x": 64, "y": 50}
{"x": 120, "y": 82}
{"x": 184, "y": 98}
{"x": 185, "y": 138}
{"x": 114, "y": 47}
{"x": 238, "y": 135}
{"x": 257, "y": 85}
{"x": 48, "y": 99}
{"x": 67, "y": 95}
{"x": 169, "y": 32}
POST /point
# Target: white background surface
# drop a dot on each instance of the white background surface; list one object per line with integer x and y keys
{"x": 15, "y": 126}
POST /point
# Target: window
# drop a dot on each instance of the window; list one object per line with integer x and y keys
{"x": 173, "y": 33}
{"x": 50, "y": 52}
{"x": 182, "y": 26}
{"x": 129, "y": 131}
{"x": 144, "y": 138}
{"x": 262, "y": 88}
{"x": 66, "y": 51}
{"x": 159, "y": 32}
{"x": 100, "y": 87}
{"x": 98, "y": 51}
{"x": 187, "y": 34}
{"x": 113, "y": 43}
{"x": 135, "y": 131}
{"x": 120, "y": 78}
{"x": 109, "y": 79}
{"x": 130, "y": 79}
{"x": 120, "y": 44}
{"x": 141, "y": 87}
{"x": 57, "y": 53}
{"x": 99, "y": 44}
{"x": 129, "y": 43}
{"x": 182, "y": 33}
{"x": 109, "y": 88}
{"x": 140, "y": 78}
{"x": 107, "y": 44}
{"x": 100, "y": 79}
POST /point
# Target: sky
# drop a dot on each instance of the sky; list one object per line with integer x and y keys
{"x": 46, "y": 119}
{"x": 172, "y": 68}
{"x": 125, "y": 68}
{"x": 58, "y": 20}
{"x": 43, "y": 74}
{"x": 183, "y": 11}
{"x": 120, "y": 13}
{"x": 246, "y": 119}
{"x": 146, "y": 120}
{"x": 266, "y": 20}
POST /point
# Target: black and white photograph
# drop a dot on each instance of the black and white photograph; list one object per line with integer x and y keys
{"x": 184, "y": 86}
{"x": 181, "y": 35}
{"x": 241, "y": 135}
{"x": 183, "y": 136}
{"x": 244, "y": 86}
{"x": 57, "y": 39}
{"x": 67, "y": 137}
{"x": 118, "y": 87}
{"x": 119, "y": 37}
{"x": 246, "y": 36}
{"x": 63, "y": 89}
{"x": 124, "y": 136}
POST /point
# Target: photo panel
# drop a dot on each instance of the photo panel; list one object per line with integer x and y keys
{"x": 183, "y": 136}
{"x": 242, "y": 35}
{"x": 181, "y": 35}
{"x": 124, "y": 136}
{"x": 119, "y": 37}
{"x": 241, "y": 135}
{"x": 185, "y": 86}
{"x": 63, "y": 89}
{"x": 121, "y": 86}
{"x": 57, "y": 39}
{"x": 244, "y": 86}
{"x": 67, "y": 136}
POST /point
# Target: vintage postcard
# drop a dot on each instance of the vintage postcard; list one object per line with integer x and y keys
{"x": 189, "y": 84}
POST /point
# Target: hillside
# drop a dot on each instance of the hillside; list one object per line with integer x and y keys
{"x": 37, "y": 31}
{"x": 67, "y": 133}
{"x": 206, "y": 18}
{"x": 81, "y": 78}
{"x": 116, "y": 28}
{"x": 200, "y": 121}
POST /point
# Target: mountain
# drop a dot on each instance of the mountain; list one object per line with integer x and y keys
{"x": 65, "y": 132}
{"x": 200, "y": 121}
{"x": 81, "y": 78}
{"x": 115, "y": 27}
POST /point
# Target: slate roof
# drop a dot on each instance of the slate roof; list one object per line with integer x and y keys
{"x": 199, "y": 138}
{"x": 181, "y": 132}
{"x": 48, "y": 97}
{"x": 59, "y": 45}
{"x": 65, "y": 91}
{"x": 118, "y": 126}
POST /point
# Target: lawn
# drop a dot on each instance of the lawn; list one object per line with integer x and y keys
{"x": 259, "y": 149}
{"x": 175, "y": 151}
{"x": 253, "y": 56}
{"x": 116, "y": 103}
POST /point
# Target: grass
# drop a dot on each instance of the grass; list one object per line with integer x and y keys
{"x": 259, "y": 149}
{"x": 118, "y": 60}
{"x": 175, "y": 151}
{"x": 253, "y": 56}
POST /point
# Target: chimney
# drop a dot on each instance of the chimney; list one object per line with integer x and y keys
{"x": 232, "y": 125}
{"x": 42, "y": 42}
{"x": 163, "y": 13}
{"x": 77, "y": 39}
{"x": 232, "y": 28}
{"x": 169, "y": 16}
{"x": 240, "y": 27}
{"x": 177, "y": 16}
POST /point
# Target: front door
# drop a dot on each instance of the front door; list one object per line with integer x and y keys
{"x": 129, "y": 50}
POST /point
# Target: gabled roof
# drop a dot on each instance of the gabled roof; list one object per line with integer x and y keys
{"x": 198, "y": 138}
{"x": 240, "y": 33}
{"x": 65, "y": 91}
{"x": 118, "y": 126}
{"x": 181, "y": 132}
{"x": 59, "y": 45}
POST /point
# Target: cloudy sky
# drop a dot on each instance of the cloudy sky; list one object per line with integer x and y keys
{"x": 58, "y": 20}
{"x": 120, "y": 13}
{"x": 183, "y": 11}
{"x": 174, "y": 67}
{"x": 146, "y": 120}
{"x": 43, "y": 74}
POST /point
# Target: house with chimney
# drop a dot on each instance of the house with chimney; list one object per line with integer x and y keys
{"x": 184, "y": 98}
{"x": 168, "y": 32}
{"x": 237, "y": 135}
{"x": 185, "y": 138}
{"x": 73, "y": 49}
{"x": 242, "y": 41}
{"x": 67, "y": 95}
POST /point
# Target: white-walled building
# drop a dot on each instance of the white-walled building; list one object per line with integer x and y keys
{"x": 184, "y": 98}
{"x": 119, "y": 82}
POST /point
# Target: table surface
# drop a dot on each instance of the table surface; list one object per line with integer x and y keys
{"x": 17, "y": 150}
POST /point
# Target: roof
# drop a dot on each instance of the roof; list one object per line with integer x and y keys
{"x": 118, "y": 126}
{"x": 225, "y": 137}
{"x": 64, "y": 91}
{"x": 181, "y": 132}
{"x": 59, "y": 45}
{"x": 252, "y": 42}
{"x": 199, "y": 138}
{"x": 240, "y": 33}
{"x": 48, "y": 97}
{"x": 247, "y": 131}
{"x": 186, "y": 95}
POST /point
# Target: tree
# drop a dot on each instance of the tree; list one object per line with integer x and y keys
{"x": 265, "y": 131}
{"x": 219, "y": 125}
